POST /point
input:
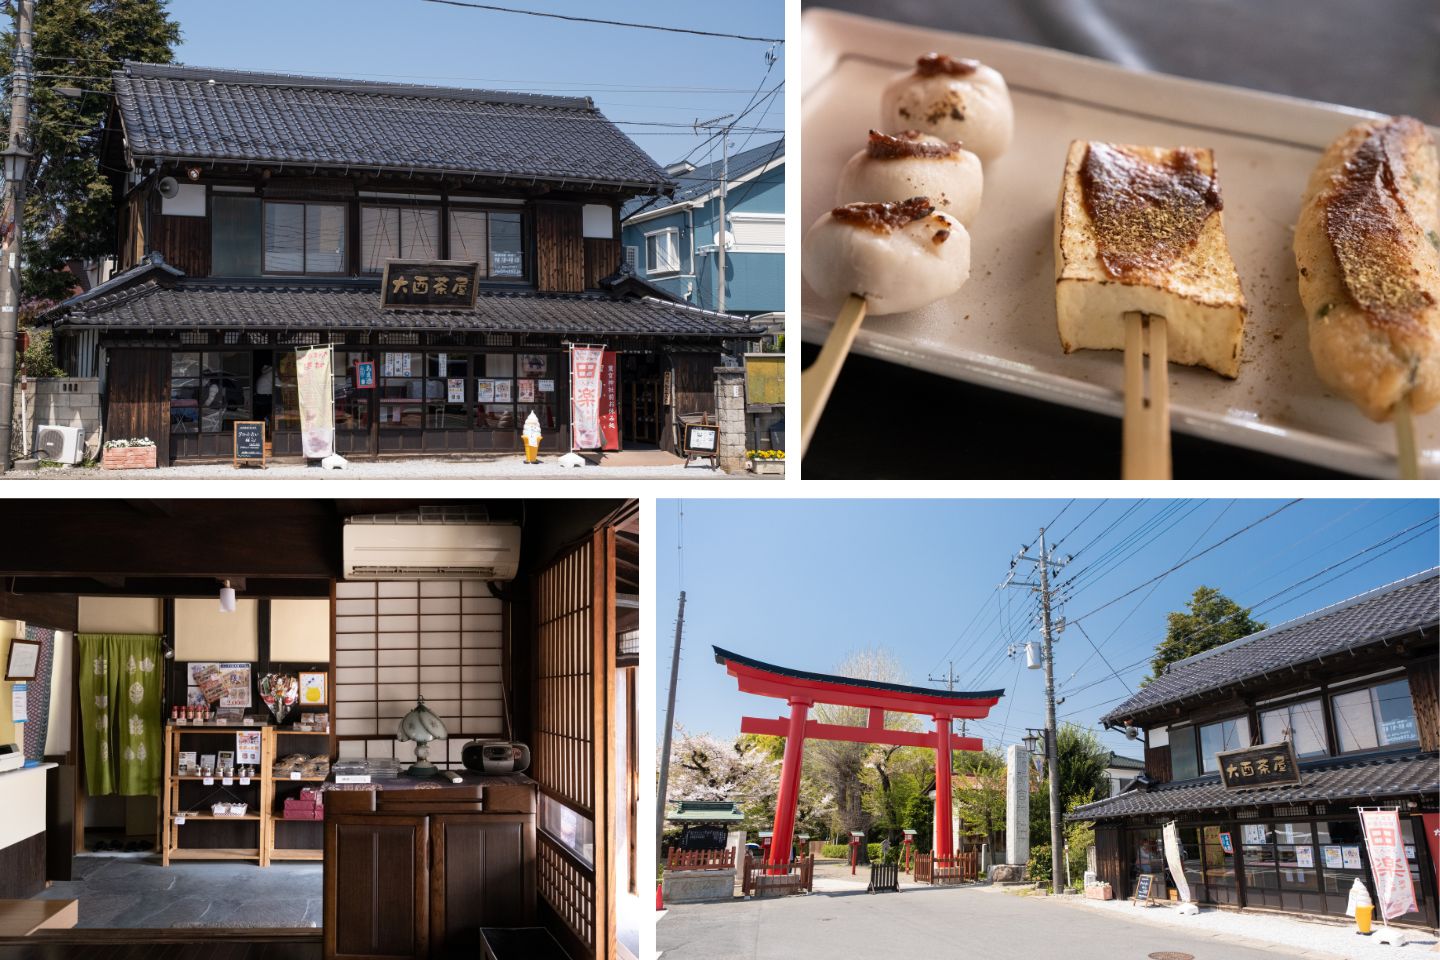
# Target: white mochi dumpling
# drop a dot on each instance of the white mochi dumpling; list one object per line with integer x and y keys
{"x": 898, "y": 256}
{"x": 914, "y": 164}
{"x": 955, "y": 99}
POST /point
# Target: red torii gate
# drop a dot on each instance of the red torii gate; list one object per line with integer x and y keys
{"x": 802, "y": 690}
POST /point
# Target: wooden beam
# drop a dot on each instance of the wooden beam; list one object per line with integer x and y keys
{"x": 814, "y": 730}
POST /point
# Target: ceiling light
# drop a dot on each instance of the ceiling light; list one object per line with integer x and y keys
{"x": 227, "y": 598}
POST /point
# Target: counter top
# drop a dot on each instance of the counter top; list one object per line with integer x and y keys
{"x": 468, "y": 778}
{"x": 42, "y": 765}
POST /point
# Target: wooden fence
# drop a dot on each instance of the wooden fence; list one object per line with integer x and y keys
{"x": 883, "y": 877}
{"x": 700, "y": 859}
{"x": 777, "y": 880}
{"x": 960, "y": 868}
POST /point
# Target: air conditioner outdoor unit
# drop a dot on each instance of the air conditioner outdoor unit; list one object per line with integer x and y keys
{"x": 424, "y": 551}
{"x": 62, "y": 444}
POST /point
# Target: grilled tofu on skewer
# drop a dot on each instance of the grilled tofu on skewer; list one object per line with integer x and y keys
{"x": 1367, "y": 246}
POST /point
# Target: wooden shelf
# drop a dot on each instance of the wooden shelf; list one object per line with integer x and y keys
{"x": 265, "y": 813}
{"x": 213, "y": 853}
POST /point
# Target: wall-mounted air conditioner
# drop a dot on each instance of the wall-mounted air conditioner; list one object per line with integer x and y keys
{"x": 61, "y": 444}
{"x": 424, "y": 551}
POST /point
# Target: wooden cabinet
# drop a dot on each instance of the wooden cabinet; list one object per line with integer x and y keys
{"x": 377, "y": 891}
{"x": 417, "y": 872}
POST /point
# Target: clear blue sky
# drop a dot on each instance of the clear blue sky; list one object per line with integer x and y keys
{"x": 635, "y": 76}
{"x": 803, "y": 582}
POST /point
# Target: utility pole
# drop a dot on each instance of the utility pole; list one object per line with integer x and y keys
{"x": 1043, "y": 563}
{"x": 17, "y": 156}
{"x": 949, "y": 681}
{"x": 724, "y": 129}
{"x": 669, "y": 728}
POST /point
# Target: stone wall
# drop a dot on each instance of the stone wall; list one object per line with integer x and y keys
{"x": 58, "y": 401}
{"x": 730, "y": 415}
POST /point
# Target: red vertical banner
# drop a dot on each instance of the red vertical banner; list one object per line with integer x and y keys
{"x": 1432, "y": 837}
{"x": 609, "y": 402}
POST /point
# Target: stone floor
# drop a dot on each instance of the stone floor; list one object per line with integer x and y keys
{"x": 134, "y": 890}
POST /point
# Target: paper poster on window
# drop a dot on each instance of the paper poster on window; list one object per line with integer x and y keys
{"x": 1225, "y": 843}
{"x": 484, "y": 391}
{"x": 442, "y": 363}
{"x": 1252, "y": 834}
{"x": 547, "y": 386}
{"x": 527, "y": 391}
{"x": 1305, "y": 856}
{"x": 1352, "y": 857}
{"x": 405, "y": 365}
{"x": 455, "y": 390}
{"x": 504, "y": 391}
{"x": 532, "y": 364}
{"x": 1333, "y": 860}
{"x": 389, "y": 365}
{"x": 247, "y": 748}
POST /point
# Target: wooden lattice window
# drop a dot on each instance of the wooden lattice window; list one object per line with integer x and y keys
{"x": 567, "y": 887}
{"x": 564, "y": 741}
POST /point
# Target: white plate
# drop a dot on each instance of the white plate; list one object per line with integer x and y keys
{"x": 999, "y": 330}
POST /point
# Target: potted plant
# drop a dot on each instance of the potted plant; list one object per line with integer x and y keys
{"x": 765, "y": 462}
{"x": 137, "y": 453}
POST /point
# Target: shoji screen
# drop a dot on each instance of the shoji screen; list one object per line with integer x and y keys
{"x": 396, "y": 640}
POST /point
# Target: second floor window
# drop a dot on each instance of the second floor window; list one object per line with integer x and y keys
{"x": 1216, "y": 738}
{"x": 1374, "y": 717}
{"x": 304, "y": 238}
{"x": 662, "y": 252}
{"x": 1303, "y": 724}
{"x": 397, "y": 233}
{"x": 493, "y": 237}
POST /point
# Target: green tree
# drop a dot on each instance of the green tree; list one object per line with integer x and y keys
{"x": 1208, "y": 620}
{"x": 1081, "y": 759}
{"x": 980, "y": 794}
{"x": 70, "y": 205}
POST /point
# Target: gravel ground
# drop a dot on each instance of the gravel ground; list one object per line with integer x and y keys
{"x": 1285, "y": 931}
{"x": 388, "y": 470}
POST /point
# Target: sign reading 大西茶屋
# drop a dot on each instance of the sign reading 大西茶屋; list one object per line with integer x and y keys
{"x": 1263, "y": 766}
{"x": 429, "y": 284}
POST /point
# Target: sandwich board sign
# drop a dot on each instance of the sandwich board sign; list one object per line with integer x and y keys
{"x": 249, "y": 443}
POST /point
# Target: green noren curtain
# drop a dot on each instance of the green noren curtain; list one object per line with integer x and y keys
{"x": 120, "y": 679}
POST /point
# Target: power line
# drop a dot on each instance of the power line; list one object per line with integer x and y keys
{"x": 607, "y": 23}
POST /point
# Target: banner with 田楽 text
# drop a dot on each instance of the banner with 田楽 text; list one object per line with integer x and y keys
{"x": 1394, "y": 890}
{"x": 586, "y": 379}
{"x": 317, "y": 402}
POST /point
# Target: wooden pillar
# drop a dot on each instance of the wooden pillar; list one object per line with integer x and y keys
{"x": 944, "y": 841}
{"x": 789, "y": 798}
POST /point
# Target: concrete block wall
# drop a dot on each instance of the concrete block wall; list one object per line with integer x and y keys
{"x": 61, "y": 401}
{"x": 730, "y": 415}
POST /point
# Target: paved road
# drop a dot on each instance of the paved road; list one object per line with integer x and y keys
{"x": 966, "y": 922}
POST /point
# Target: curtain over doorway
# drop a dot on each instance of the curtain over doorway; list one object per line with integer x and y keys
{"x": 120, "y": 681}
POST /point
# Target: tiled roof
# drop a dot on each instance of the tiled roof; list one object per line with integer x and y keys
{"x": 705, "y": 811}
{"x": 200, "y": 305}
{"x": 1118, "y": 762}
{"x": 197, "y": 113}
{"x": 706, "y": 177}
{"x": 1389, "y": 611}
{"x": 1332, "y": 779}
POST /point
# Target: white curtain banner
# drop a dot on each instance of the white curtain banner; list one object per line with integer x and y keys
{"x": 1394, "y": 891}
{"x": 317, "y": 402}
{"x": 585, "y": 371}
{"x": 1175, "y": 859}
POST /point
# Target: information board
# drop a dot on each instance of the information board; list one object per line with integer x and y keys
{"x": 249, "y": 442}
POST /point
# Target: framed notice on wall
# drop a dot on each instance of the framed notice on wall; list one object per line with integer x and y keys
{"x": 23, "y": 661}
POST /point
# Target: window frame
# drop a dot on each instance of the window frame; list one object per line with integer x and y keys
{"x": 1311, "y": 696}
{"x": 304, "y": 206}
{"x": 1367, "y": 684}
{"x": 1200, "y": 741}
{"x": 527, "y": 258}
{"x": 674, "y": 234}
{"x": 401, "y": 208}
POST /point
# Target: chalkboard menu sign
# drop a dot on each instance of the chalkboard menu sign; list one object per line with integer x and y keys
{"x": 249, "y": 442}
{"x": 1142, "y": 887}
{"x": 429, "y": 285}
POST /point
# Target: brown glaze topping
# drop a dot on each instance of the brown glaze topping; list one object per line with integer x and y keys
{"x": 884, "y": 217}
{"x": 935, "y": 64}
{"x": 1371, "y": 230}
{"x": 901, "y": 146}
{"x": 1146, "y": 214}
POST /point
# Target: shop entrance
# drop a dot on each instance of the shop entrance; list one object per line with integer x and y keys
{"x": 641, "y": 400}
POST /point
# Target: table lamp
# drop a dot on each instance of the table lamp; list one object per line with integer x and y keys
{"x": 421, "y": 726}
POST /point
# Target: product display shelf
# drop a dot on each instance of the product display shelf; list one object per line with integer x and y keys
{"x": 260, "y": 788}
{"x": 294, "y": 839}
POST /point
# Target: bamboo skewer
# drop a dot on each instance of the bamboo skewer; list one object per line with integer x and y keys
{"x": 1405, "y": 451}
{"x": 817, "y": 382}
{"x": 1146, "y": 434}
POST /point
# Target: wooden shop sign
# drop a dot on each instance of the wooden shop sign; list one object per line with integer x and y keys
{"x": 430, "y": 284}
{"x": 1265, "y": 766}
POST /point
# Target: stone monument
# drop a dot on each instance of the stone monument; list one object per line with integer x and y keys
{"x": 1017, "y": 816}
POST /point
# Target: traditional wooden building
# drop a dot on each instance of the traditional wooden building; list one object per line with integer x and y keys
{"x": 1352, "y": 688}
{"x": 258, "y": 213}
